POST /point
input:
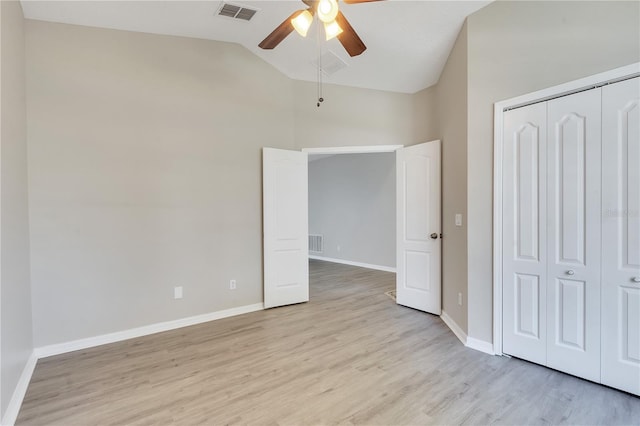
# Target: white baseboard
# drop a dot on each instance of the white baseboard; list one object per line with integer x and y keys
{"x": 11, "y": 414}
{"x": 480, "y": 345}
{"x": 470, "y": 342}
{"x": 75, "y": 345}
{"x": 349, "y": 262}
{"x": 460, "y": 334}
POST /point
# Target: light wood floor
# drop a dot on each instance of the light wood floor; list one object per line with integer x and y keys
{"x": 349, "y": 356}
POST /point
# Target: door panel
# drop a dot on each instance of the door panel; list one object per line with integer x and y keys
{"x": 285, "y": 198}
{"x": 418, "y": 278}
{"x": 570, "y": 173}
{"x": 573, "y": 212}
{"x": 524, "y": 233}
{"x": 621, "y": 235}
{"x": 570, "y": 316}
{"x": 527, "y": 305}
{"x": 630, "y": 315}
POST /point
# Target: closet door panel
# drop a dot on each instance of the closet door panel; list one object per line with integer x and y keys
{"x": 573, "y": 213}
{"x": 621, "y": 235}
{"x": 524, "y": 233}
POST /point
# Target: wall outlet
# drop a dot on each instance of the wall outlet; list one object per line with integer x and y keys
{"x": 460, "y": 299}
{"x": 177, "y": 292}
{"x": 232, "y": 285}
{"x": 458, "y": 219}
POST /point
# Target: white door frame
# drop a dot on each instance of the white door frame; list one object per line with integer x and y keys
{"x": 368, "y": 149}
{"x": 571, "y": 87}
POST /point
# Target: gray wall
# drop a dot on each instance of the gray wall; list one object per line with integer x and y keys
{"x": 451, "y": 93}
{"x": 516, "y": 48}
{"x": 426, "y": 125}
{"x": 351, "y": 116}
{"x": 145, "y": 174}
{"x": 15, "y": 293}
{"x": 352, "y": 202}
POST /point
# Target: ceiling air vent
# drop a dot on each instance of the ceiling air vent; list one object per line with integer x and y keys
{"x": 331, "y": 63}
{"x": 237, "y": 12}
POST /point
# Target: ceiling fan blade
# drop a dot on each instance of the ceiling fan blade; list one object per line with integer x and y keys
{"x": 280, "y": 33}
{"x": 358, "y": 1}
{"x": 349, "y": 38}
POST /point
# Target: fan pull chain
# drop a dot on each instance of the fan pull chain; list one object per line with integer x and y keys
{"x": 319, "y": 43}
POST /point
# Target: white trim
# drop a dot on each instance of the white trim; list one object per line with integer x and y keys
{"x": 349, "y": 262}
{"x": 469, "y": 342}
{"x": 11, "y": 413}
{"x": 480, "y": 345}
{"x": 60, "y": 348}
{"x": 498, "y": 116}
{"x": 586, "y": 83}
{"x": 498, "y": 111}
{"x": 369, "y": 149}
{"x": 457, "y": 330}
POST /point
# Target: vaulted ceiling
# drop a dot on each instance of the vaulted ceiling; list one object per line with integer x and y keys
{"x": 408, "y": 41}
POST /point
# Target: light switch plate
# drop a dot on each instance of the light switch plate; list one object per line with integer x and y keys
{"x": 458, "y": 219}
{"x": 177, "y": 292}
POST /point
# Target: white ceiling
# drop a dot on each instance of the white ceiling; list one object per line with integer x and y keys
{"x": 408, "y": 41}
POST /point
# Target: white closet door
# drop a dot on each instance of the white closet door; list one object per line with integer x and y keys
{"x": 573, "y": 218}
{"x": 524, "y": 233}
{"x": 621, "y": 236}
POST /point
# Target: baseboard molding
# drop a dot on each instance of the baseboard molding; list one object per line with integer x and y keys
{"x": 469, "y": 342}
{"x": 460, "y": 334}
{"x": 11, "y": 414}
{"x": 480, "y": 345}
{"x": 75, "y": 345}
{"x": 349, "y": 262}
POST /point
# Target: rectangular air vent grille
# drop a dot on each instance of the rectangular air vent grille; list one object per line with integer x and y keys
{"x": 315, "y": 243}
{"x": 331, "y": 63}
{"x": 237, "y": 12}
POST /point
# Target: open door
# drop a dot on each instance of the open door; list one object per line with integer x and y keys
{"x": 419, "y": 243}
{"x": 286, "y": 244}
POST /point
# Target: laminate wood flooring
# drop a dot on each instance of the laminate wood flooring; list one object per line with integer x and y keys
{"x": 349, "y": 356}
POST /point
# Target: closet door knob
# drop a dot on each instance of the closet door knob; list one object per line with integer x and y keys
{"x": 434, "y": 236}
{"x": 635, "y": 279}
{"x": 570, "y": 272}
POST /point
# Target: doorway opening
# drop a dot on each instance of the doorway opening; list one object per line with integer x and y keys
{"x": 417, "y": 207}
{"x": 352, "y": 207}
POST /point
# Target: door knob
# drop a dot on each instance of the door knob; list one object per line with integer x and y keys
{"x": 434, "y": 236}
{"x": 635, "y": 279}
{"x": 570, "y": 272}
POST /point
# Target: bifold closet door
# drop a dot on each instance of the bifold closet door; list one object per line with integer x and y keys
{"x": 621, "y": 235}
{"x": 573, "y": 224}
{"x": 525, "y": 233}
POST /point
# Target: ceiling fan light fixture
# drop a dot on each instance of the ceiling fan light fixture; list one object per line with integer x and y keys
{"x": 327, "y": 10}
{"x": 332, "y": 29}
{"x": 302, "y": 22}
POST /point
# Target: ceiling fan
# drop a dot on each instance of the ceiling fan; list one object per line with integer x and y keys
{"x": 335, "y": 25}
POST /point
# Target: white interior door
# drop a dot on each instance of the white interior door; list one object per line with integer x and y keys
{"x": 286, "y": 247}
{"x": 419, "y": 247}
{"x": 573, "y": 224}
{"x": 525, "y": 233}
{"x": 621, "y": 235}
